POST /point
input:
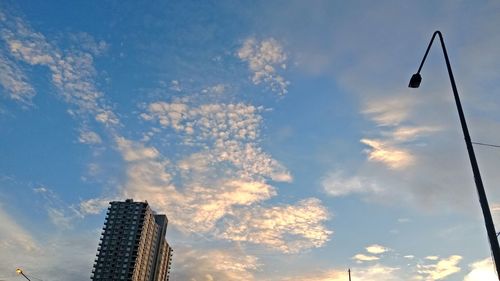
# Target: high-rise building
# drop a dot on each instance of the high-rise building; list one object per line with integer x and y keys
{"x": 133, "y": 245}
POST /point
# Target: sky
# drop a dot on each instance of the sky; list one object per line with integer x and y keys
{"x": 279, "y": 137}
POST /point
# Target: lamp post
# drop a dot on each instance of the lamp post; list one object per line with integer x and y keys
{"x": 490, "y": 227}
{"x": 20, "y": 272}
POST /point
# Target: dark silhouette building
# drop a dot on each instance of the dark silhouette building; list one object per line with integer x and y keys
{"x": 133, "y": 246}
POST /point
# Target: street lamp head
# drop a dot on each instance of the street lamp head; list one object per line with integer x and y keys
{"x": 19, "y": 271}
{"x": 415, "y": 80}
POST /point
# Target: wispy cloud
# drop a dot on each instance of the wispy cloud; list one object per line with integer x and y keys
{"x": 482, "y": 270}
{"x": 13, "y": 236}
{"x": 441, "y": 269}
{"x": 389, "y": 111}
{"x": 289, "y": 228}
{"x": 388, "y": 154}
{"x": 89, "y": 137}
{"x": 60, "y": 214}
{"x": 363, "y": 257}
{"x": 337, "y": 184}
{"x": 73, "y": 72}
{"x": 264, "y": 58}
{"x": 377, "y": 249}
{"x": 14, "y": 81}
{"x": 211, "y": 265}
{"x": 432, "y": 258}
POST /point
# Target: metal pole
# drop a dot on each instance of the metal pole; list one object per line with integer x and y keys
{"x": 490, "y": 227}
{"x": 349, "y": 271}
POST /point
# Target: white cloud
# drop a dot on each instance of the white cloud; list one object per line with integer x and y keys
{"x": 229, "y": 131}
{"x": 197, "y": 207}
{"x": 386, "y": 153}
{"x": 59, "y": 218}
{"x": 336, "y": 184}
{"x": 88, "y": 43}
{"x": 93, "y": 206}
{"x": 89, "y": 137}
{"x": 106, "y": 117}
{"x": 363, "y": 257}
{"x": 482, "y": 270}
{"x": 58, "y": 257}
{"x": 216, "y": 89}
{"x": 60, "y": 214}
{"x": 432, "y": 258}
{"x": 175, "y": 86}
{"x": 389, "y": 111}
{"x": 406, "y": 133}
{"x": 376, "y": 249}
{"x": 440, "y": 270}
{"x": 288, "y": 228}
{"x": 14, "y": 81}
{"x": 73, "y": 72}
{"x": 264, "y": 58}
{"x": 208, "y": 265}
{"x": 134, "y": 151}
{"x": 13, "y": 236}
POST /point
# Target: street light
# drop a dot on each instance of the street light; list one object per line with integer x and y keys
{"x": 20, "y": 272}
{"x": 490, "y": 227}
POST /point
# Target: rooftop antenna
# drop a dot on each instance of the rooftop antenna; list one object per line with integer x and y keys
{"x": 349, "y": 271}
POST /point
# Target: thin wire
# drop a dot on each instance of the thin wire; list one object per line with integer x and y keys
{"x": 486, "y": 144}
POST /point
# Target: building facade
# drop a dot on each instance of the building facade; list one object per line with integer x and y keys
{"x": 133, "y": 246}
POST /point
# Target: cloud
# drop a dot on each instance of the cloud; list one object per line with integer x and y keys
{"x": 14, "y": 81}
{"x": 73, "y": 72}
{"x": 58, "y": 257}
{"x": 93, "y": 206}
{"x": 88, "y": 43}
{"x": 60, "y": 214}
{"x": 89, "y": 137}
{"x": 407, "y": 133}
{"x": 376, "y": 249}
{"x": 13, "y": 236}
{"x": 440, "y": 270}
{"x": 59, "y": 218}
{"x": 208, "y": 264}
{"x": 197, "y": 207}
{"x": 336, "y": 184}
{"x": 386, "y": 153}
{"x": 389, "y": 111}
{"x": 264, "y": 58}
{"x": 482, "y": 270}
{"x": 288, "y": 228}
{"x": 432, "y": 258}
{"x": 216, "y": 89}
{"x": 363, "y": 257}
{"x": 231, "y": 132}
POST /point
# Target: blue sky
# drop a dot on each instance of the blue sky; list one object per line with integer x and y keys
{"x": 279, "y": 137}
